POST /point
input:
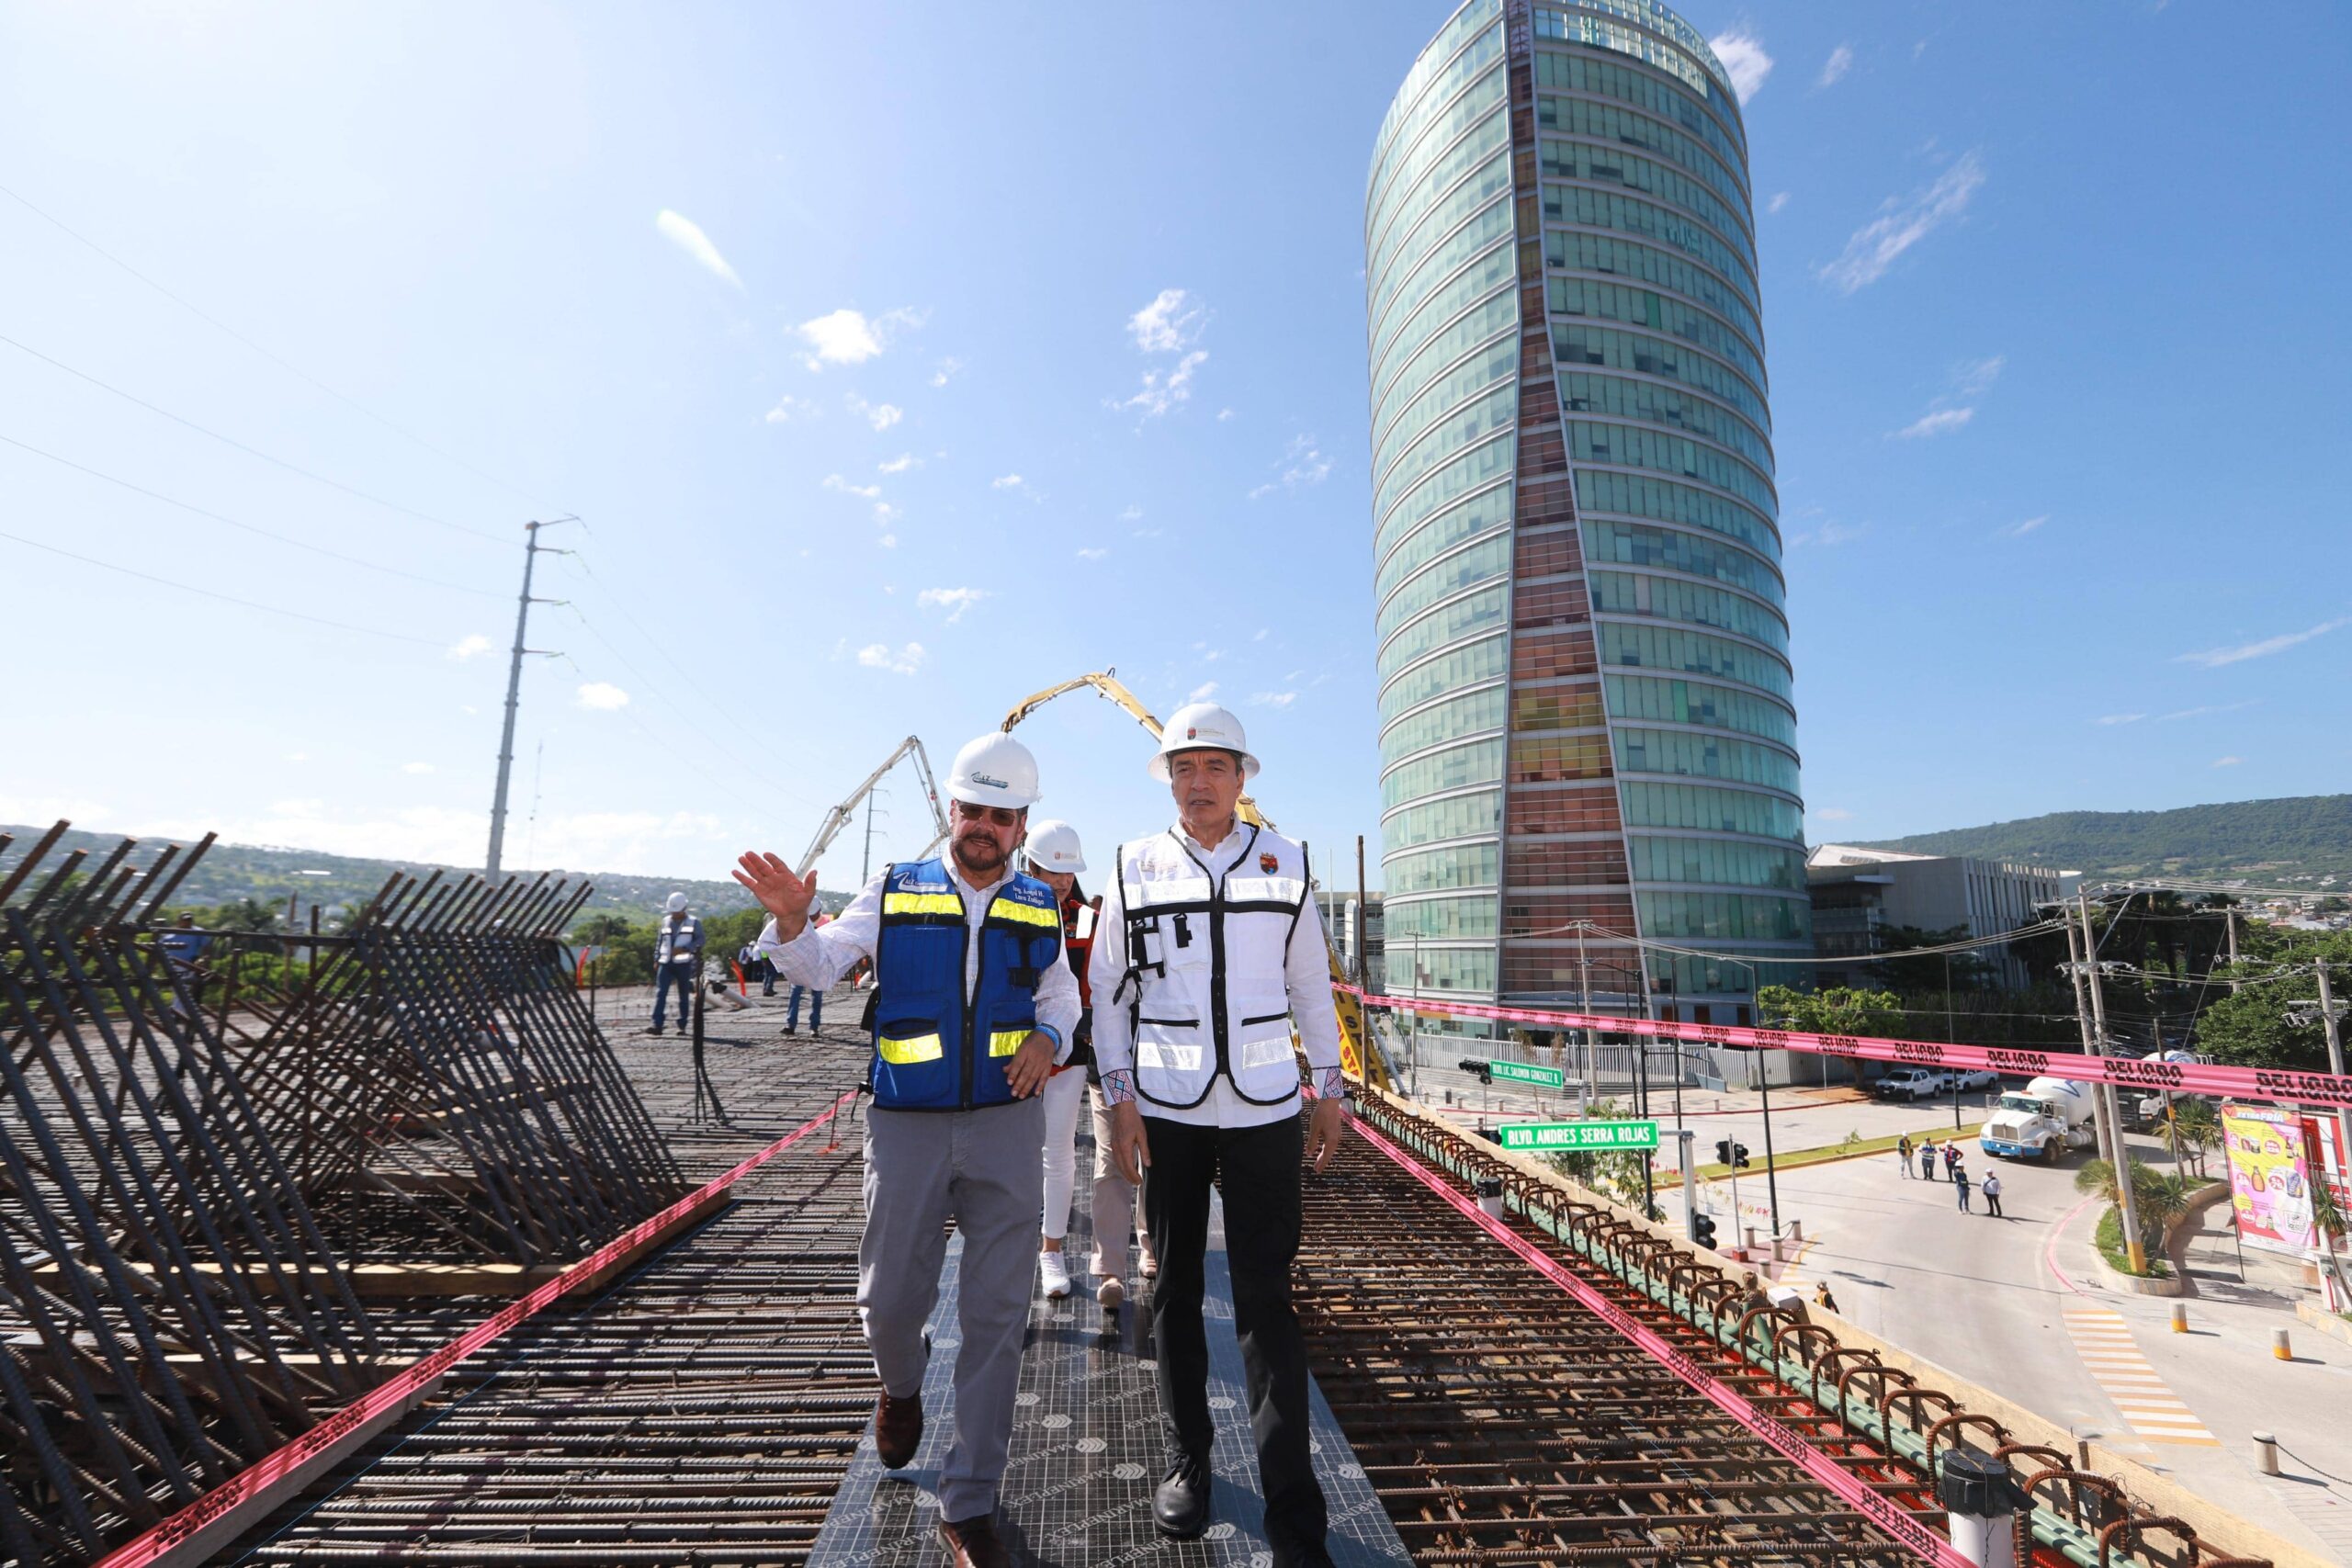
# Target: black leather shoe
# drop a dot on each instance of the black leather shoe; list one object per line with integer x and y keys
{"x": 897, "y": 1429}
{"x": 1180, "y": 1507}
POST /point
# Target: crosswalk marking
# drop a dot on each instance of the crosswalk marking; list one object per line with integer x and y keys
{"x": 2112, "y": 1357}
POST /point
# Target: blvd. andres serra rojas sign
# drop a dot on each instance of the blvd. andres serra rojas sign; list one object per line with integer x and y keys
{"x": 1582, "y": 1137}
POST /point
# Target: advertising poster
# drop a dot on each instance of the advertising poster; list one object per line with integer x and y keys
{"x": 2270, "y": 1176}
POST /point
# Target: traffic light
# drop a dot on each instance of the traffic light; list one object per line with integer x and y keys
{"x": 1485, "y": 1070}
{"x": 1723, "y": 1151}
{"x": 1739, "y": 1156}
{"x": 1702, "y": 1230}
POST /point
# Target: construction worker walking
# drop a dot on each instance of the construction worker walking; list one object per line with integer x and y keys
{"x": 974, "y": 1005}
{"x": 677, "y": 954}
{"x": 1211, "y": 949}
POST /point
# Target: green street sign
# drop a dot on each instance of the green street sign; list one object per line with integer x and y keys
{"x": 1581, "y": 1138}
{"x": 1519, "y": 1072}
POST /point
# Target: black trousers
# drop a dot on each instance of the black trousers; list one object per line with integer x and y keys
{"x": 1257, "y": 1168}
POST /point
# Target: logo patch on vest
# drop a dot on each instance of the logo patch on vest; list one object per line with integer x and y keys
{"x": 1266, "y": 862}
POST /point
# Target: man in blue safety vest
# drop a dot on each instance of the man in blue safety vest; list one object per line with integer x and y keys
{"x": 974, "y": 1005}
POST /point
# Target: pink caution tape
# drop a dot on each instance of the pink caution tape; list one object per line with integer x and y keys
{"x": 257, "y": 1480}
{"x": 2186, "y": 1077}
{"x": 1883, "y": 1512}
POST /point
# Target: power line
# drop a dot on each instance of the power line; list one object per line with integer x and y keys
{"x": 224, "y": 598}
{"x": 250, "y": 451}
{"x": 292, "y": 369}
{"x": 248, "y": 528}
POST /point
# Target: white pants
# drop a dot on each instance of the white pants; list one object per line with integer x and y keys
{"x": 1114, "y": 1200}
{"x": 1065, "y": 1096}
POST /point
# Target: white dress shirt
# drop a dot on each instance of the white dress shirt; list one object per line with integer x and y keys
{"x": 821, "y": 954}
{"x": 1306, "y": 971}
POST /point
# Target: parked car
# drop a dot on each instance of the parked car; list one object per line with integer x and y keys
{"x": 1976, "y": 1077}
{"x": 1912, "y": 1083}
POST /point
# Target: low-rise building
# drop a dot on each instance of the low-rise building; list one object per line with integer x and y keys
{"x": 1860, "y": 894}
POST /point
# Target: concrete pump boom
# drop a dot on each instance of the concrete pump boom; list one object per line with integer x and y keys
{"x": 1365, "y": 1066}
{"x": 839, "y": 816}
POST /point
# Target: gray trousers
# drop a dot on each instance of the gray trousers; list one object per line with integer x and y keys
{"x": 984, "y": 1169}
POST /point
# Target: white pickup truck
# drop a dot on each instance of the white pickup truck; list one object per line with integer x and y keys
{"x": 1913, "y": 1082}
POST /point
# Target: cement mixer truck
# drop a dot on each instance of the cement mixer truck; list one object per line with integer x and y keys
{"x": 2041, "y": 1121}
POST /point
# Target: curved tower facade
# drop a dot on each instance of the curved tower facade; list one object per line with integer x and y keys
{"x": 1586, "y": 731}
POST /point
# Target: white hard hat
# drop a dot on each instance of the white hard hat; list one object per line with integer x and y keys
{"x": 1196, "y": 726}
{"x": 677, "y": 903}
{"x": 995, "y": 770}
{"x": 1052, "y": 846}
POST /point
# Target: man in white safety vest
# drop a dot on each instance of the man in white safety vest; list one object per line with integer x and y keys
{"x": 1210, "y": 949}
{"x": 677, "y": 952}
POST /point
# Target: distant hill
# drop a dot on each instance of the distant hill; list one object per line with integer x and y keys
{"x": 245, "y": 871}
{"x": 2302, "y": 839}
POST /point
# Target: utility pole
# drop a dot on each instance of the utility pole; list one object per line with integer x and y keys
{"x": 1584, "y": 994}
{"x": 2083, "y": 1020}
{"x": 2328, "y": 1016}
{"x": 2230, "y": 915}
{"x": 532, "y": 551}
{"x": 2125, "y": 1198}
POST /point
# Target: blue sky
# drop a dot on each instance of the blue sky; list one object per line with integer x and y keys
{"x": 900, "y": 364}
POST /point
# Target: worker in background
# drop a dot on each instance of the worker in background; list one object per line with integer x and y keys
{"x": 1822, "y": 1298}
{"x": 1903, "y": 1155}
{"x": 677, "y": 952}
{"x": 1927, "y": 1159}
{"x": 1055, "y": 857}
{"x": 184, "y": 947}
{"x": 1992, "y": 1191}
{"x": 973, "y": 1006}
{"x": 815, "y": 994}
{"x": 1214, "y": 949}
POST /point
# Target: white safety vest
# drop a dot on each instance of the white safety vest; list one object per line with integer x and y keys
{"x": 1204, "y": 961}
{"x": 678, "y": 943}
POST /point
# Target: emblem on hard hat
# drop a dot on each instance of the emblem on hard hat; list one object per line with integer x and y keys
{"x": 1266, "y": 862}
{"x": 992, "y": 782}
{"x": 1190, "y": 733}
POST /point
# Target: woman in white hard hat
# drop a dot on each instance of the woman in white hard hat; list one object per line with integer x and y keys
{"x": 973, "y": 1006}
{"x": 1056, "y": 857}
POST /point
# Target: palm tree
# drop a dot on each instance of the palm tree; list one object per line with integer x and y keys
{"x": 2158, "y": 1197}
{"x": 2194, "y": 1128}
{"x": 2329, "y": 1216}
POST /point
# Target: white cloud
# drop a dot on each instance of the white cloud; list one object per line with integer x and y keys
{"x": 1744, "y": 61}
{"x": 849, "y": 337}
{"x": 1168, "y": 323}
{"x": 1202, "y": 693}
{"x": 899, "y": 464}
{"x": 1149, "y": 533}
{"x": 1833, "y": 813}
{"x": 905, "y": 661}
{"x": 1132, "y": 515}
{"x": 1163, "y": 390}
{"x": 2214, "y": 658}
{"x": 1092, "y": 552}
{"x": 416, "y": 767}
{"x": 1273, "y": 699}
{"x": 1005, "y": 481}
{"x": 469, "y": 646}
{"x": 945, "y": 372}
{"x": 1940, "y": 422}
{"x": 602, "y": 696}
{"x": 2227, "y": 761}
{"x": 955, "y": 601}
{"x": 2113, "y": 719}
{"x": 1261, "y": 635}
{"x": 1876, "y": 245}
{"x": 1224, "y": 414}
{"x": 885, "y": 515}
{"x": 835, "y": 482}
{"x": 1975, "y": 378}
{"x": 2208, "y": 708}
{"x": 2019, "y": 530}
{"x": 789, "y": 407}
{"x": 1307, "y": 467}
{"x": 687, "y": 235}
{"x": 888, "y": 541}
{"x": 881, "y": 416}
{"x": 297, "y": 756}
{"x": 1827, "y": 533}
{"x": 1840, "y": 60}
{"x": 1780, "y": 199}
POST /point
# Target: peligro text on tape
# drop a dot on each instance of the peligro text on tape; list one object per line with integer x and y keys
{"x": 256, "y": 1480}
{"x": 1883, "y": 1512}
{"x": 2124, "y": 1072}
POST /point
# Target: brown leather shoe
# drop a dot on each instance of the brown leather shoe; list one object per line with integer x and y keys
{"x": 897, "y": 1429}
{"x": 972, "y": 1543}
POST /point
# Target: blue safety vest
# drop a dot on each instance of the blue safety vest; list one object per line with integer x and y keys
{"x": 931, "y": 1051}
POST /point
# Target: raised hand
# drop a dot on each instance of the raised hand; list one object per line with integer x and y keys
{"x": 780, "y": 893}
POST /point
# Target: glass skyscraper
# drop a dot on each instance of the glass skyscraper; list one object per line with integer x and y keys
{"x": 1586, "y": 726}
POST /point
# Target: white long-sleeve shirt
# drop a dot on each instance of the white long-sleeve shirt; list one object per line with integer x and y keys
{"x": 820, "y": 955}
{"x": 1307, "y": 973}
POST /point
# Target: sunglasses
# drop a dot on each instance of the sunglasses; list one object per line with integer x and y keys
{"x": 1002, "y": 816}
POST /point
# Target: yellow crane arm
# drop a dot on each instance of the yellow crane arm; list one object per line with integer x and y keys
{"x": 1363, "y": 1065}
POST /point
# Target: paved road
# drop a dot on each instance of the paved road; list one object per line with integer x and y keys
{"x": 1991, "y": 1300}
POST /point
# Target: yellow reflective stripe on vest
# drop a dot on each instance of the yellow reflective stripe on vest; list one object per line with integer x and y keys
{"x": 921, "y": 904}
{"x": 905, "y": 1053}
{"x": 1024, "y": 914}
{"x": 1005, "y": 1042}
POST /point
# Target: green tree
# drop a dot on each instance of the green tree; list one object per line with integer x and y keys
{"x": 1618, "y": 1172}
{"x": 1841, "y": 1010}
{"x": 246, "y": 914}
{"x": 2194, "y": 1128}
{"x": 2258, "y": 1025}
{"x": 2328, "y": 1214}
{"x": 2158, "y": 1197}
